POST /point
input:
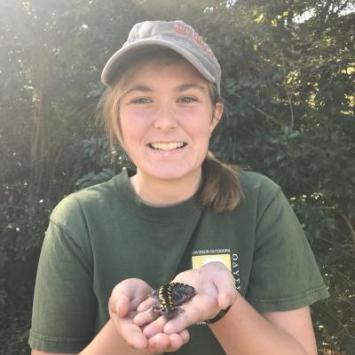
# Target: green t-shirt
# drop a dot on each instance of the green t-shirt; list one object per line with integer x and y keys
{"x": 104, "y": 234}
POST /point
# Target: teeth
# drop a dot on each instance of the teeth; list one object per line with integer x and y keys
{"x": 167, "y": 146}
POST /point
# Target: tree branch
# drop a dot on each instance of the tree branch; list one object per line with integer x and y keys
{"x": 263, "y": 113}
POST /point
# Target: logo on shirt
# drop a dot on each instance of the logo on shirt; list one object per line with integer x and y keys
{"x": 225, "y": 256}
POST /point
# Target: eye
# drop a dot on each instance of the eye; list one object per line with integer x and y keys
{"x": 187, "y": 99}
{"x": 141, "y": 100}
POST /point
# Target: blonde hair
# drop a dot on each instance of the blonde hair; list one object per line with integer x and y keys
{"x": 220, "y": 189}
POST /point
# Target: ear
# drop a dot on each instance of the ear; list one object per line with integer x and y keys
{"x": 217, "y": 115}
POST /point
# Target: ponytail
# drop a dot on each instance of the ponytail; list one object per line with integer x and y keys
{"x": 221, "y": 189}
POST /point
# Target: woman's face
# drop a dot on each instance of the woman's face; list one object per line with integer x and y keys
{"x": 166, "y": 120}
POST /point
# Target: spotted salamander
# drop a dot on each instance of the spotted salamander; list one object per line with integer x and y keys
{"x": 170, "y": 296}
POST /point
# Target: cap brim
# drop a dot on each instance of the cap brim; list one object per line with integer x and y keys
{"x": 111, "y": 69}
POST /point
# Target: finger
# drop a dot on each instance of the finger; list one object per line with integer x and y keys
{"x": 173, "y": 342}
{"x": 176, "y": 343}
{"x": 120, "y": 305}
{"x": 154, "y": 327}
{"x": 225, "y": 299}
{"x": 168, "y": 343}
{"x": 146, "y": 304}
{"x": 131, "y": 333}
{"x": 159, "y": 343}
{"x": 178, "y": 340}
{"x": 182, "y": 321}
{"x": 136, "y": 302}
{"x": 144, "y": 318}
{"x": 185, "y": 335}
{"x": 226, "y": 291}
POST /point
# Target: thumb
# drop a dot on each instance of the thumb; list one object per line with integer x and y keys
{"x": 225, "y": 299}
{"x": 225, "y": 285}
{"x": 120, "y": 306}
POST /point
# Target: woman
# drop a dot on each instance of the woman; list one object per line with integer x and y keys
{"x": 241, "y": 266}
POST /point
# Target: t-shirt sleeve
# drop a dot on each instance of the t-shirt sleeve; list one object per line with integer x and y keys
{"x": 64, "y": 308}
{"x": 285, "y": 274}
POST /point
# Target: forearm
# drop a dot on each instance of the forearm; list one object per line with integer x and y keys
{"x": 243, "y": 331}
{"x": 109, "y": 342}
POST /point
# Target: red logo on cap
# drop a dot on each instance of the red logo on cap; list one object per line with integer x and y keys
{"x": 188, "y": 32}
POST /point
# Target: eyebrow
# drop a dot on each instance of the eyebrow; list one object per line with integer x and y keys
{"x": 184, "y": 87}
{"x": 139, "y": 87}
{"x": 180, "y": 88}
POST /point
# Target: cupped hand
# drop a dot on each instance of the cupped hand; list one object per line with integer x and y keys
{"x": 215, "y": 291}
{"x": 123, "y": 303}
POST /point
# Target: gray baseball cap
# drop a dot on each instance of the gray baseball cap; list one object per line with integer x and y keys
{"x": 175, "y": 35}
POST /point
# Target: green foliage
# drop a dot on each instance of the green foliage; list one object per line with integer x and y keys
{"x": 105, "y": 162}
{"x": 288, "y": 90}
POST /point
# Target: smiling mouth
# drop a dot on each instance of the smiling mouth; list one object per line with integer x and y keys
{"x": 167, "y": 146}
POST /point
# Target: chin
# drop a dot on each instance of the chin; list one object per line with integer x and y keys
{"x": 175, "y": 173}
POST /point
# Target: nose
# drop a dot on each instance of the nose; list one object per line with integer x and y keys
{"x": 165, "y": 119}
